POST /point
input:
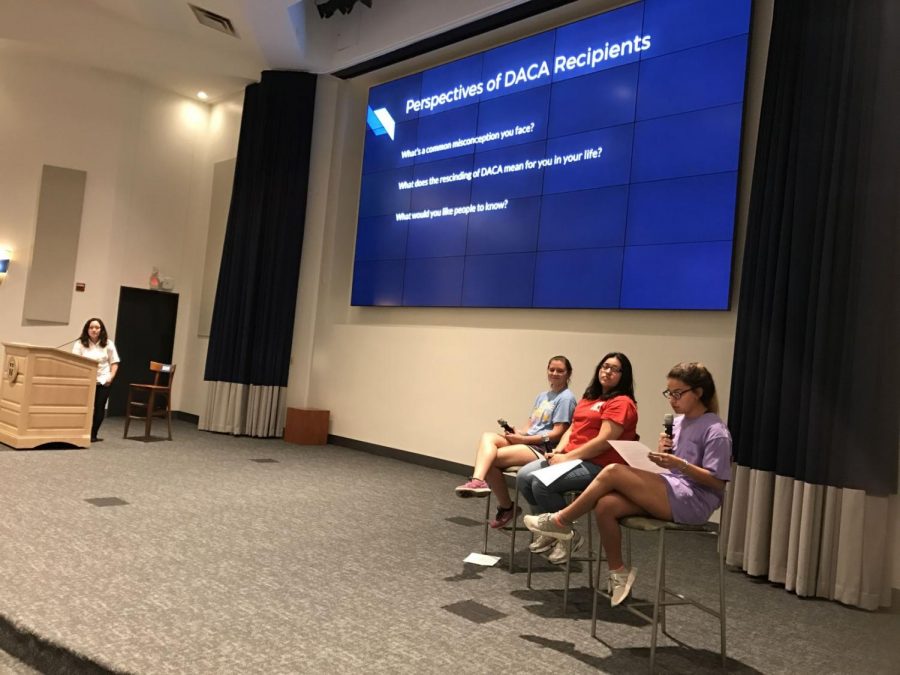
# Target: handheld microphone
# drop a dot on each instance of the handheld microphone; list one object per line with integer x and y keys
{"x": 668, "y": 423}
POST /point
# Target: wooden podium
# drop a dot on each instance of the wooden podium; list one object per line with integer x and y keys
{"x": 46, "y": 396}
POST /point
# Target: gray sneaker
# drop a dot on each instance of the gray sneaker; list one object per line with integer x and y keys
{"x": 560, "y": 553}
{"x": 542, "y": 543}
{"x": 543, "y": 524}
{"x": 620, "y": 584}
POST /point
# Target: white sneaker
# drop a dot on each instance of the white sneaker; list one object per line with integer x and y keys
{"x": 560, "y": 553}
{"x": 542, "y": 543}
{"x": 543, "y": 524}
{"x": 620, "y": 583}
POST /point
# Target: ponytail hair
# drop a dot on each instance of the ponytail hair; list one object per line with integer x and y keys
{"x": 566, "y": 363}
{"x": 696, "y": 376}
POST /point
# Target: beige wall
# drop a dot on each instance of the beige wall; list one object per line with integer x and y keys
{"x": 148, "y": 156}
{"x": 190, "y": 346}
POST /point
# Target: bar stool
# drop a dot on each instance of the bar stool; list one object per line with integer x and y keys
{"x": 511, "y": 527}
{"x": 570, "y": 496}
{"x": 661, "y": 591}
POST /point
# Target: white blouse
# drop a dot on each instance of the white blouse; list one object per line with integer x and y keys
{"x": 104, "y": 356}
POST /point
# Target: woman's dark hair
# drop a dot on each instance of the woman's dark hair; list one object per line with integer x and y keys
{"x": 625, "y": 387}
{"x": 566, "y": 362}
{"x": 695, "y": 375}
{"x": 86, "y": 340}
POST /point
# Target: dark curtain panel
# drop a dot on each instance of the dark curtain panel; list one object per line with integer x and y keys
{"x": 815, "y": 373}
{"x": 253, "y": 316}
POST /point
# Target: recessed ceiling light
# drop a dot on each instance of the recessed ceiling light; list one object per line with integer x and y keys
{"x": 202, "y": 95}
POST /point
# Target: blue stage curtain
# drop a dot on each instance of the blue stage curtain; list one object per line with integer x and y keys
{"x": 814, "y": 393}
{"x": 815, "y": 384}
{"x": 253, "y": 316}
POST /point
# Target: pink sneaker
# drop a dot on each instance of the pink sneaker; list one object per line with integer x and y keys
{"x": 503, "y": 517}
{"x": 474, "y": 488}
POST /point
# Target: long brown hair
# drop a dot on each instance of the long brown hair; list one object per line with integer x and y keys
{"x": 85, "y": 338}
{"x": 625, "y": 387}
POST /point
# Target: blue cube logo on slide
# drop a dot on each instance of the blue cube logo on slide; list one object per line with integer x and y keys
{"x": 381, "y": 122}
{"x": 590, "y": 166}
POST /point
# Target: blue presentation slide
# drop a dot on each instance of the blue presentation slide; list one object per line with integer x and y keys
{"x": 590, "y": 166}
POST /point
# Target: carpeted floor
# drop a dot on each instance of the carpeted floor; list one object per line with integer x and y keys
{"x": 214, "y": 554}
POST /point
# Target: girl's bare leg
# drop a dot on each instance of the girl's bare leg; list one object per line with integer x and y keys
{"x": 609, "y": 509}
{"x": 487, "y": 453}
{"x": 513, "y": 455}
{"x": 646, "y": 490}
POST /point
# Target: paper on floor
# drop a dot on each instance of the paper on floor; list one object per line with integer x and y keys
{"x": 481, "y": 559}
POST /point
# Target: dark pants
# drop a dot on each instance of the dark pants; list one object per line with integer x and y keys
{"x": 100, "y": 399}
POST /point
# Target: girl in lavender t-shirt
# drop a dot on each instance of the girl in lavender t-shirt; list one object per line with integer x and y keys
{"x": 698, "y": 464}
{"x": 703, "y": 442}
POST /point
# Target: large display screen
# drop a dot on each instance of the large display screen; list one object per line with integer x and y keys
{"x": 590, "y": 166}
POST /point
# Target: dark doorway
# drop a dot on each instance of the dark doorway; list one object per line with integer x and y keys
{"x": 145, "y": 332}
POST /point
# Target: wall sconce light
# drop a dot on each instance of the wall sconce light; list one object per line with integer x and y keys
{"x": 5, "y": 255}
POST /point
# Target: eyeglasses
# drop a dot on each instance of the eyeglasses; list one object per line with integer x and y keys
{"x": 610, "y": 369}
{"x": 676, "y": 394}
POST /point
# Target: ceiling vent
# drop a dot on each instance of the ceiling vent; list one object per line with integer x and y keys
{"x": 215, "y": 21}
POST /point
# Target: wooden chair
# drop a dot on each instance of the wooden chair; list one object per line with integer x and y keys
{"x": 152, "y": 394}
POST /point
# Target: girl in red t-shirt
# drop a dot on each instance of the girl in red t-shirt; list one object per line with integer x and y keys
{"x": 606, "y": 412}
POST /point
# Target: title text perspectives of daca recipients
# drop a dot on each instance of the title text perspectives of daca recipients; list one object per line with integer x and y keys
{"x": 589, "y": 58}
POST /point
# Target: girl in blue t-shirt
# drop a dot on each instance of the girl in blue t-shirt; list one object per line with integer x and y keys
{"x": 550, "y": 417}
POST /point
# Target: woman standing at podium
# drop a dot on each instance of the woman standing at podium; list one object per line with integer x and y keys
{"x": 95, "y": 344}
